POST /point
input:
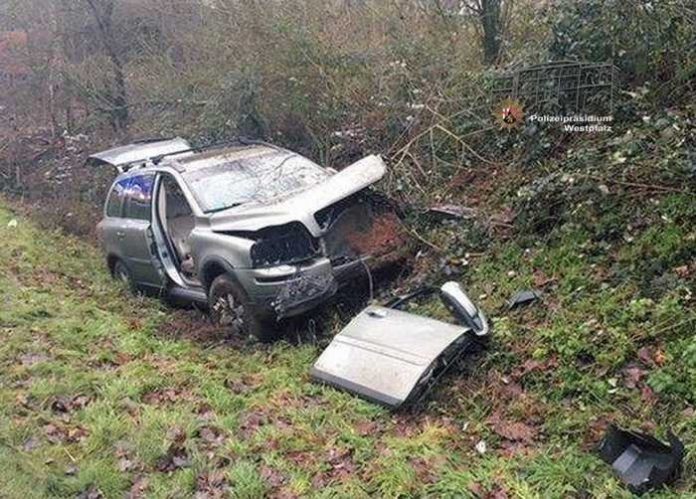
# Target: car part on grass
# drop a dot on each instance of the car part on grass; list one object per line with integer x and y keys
{"x": 461, "y": 306}
{"x": 394, "y": 357}
{"x": 641, "y": 461}
{"x": 524, "y": 298}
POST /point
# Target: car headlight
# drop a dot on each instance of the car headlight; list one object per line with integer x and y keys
{"x": 283, "y": 245}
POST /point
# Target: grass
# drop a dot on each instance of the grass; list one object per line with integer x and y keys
{"x": 94, "y": 399}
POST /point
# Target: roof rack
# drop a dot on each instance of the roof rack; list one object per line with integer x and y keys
{"x": 150, "y": 140}
{"x": 218, "y": 145}
{"x": 156, "y": 160}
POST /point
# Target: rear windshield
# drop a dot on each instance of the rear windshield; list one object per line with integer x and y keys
{"x": 257, "y": 179}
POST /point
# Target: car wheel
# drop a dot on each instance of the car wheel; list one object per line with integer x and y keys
{"x": 229, "y": 307}
{"x": 123, "y": 275}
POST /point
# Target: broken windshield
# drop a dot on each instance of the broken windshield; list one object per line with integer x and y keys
{"x": 222, "y": 184}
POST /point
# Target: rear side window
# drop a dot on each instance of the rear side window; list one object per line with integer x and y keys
{"x": 116, "y": 196}
{"x": 138, "y": 197}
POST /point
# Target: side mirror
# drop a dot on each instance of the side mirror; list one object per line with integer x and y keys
{"x": 461, "y": 306}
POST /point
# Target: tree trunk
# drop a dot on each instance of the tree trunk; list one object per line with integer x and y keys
{"x": 119, "y": 97}
{"x": 490, "y": 21}
{"x": 63, "y": 16}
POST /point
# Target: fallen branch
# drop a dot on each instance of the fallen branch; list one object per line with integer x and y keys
{"x": 422, "y": 239}
{"x": 635, "y": 184}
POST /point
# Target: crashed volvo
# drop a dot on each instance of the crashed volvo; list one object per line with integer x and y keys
{"x": 255, "y": 231}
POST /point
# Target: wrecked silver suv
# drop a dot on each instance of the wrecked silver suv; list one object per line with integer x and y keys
{"x": 254, "y": 231}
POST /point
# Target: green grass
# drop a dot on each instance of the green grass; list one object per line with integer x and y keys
{"x": 67, "y": 330}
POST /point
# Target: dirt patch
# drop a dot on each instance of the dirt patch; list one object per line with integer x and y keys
{"x": 195, "y": 325}
{"x": 384, "y": 239}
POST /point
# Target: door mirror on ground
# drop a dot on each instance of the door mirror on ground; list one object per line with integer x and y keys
{"x": 459, "y": 303}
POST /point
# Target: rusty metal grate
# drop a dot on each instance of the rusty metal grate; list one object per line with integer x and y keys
{"x": 567, "y": 86}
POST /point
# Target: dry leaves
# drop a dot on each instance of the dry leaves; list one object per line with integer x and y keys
{"x": 531, "y": 365}
{"x": 166, "y": 396}
{"x": 138, "y": 489}
{"x": 176, "y": 456}
{"x": 212, "y": 436}
{"x": 65, "y": 404}
{"x": 91, "y": 492}
{"x": 212, "y": 485}
{"x": 633, "y": 376}
{"x": 273, "y": 478}
{"x": 58, "y": 433}
{"x": 251, "y": 423}
{"x": 30, "y": 359}
{"x": 341, "y": 468}
{"x": 514, "y": 431}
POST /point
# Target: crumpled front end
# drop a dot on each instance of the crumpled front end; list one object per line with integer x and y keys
{"x": 306, "y": 246}
{"x": 361, "y": 226}
{"x": 355, "y": 233}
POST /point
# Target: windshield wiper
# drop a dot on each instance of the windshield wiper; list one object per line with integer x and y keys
{"x": 215, "y": 210}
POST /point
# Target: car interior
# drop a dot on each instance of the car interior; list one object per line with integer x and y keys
{"x": 177, "y": 222}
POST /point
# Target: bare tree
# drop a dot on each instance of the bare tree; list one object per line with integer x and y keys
{"x": 492, "y": 16}
{"x": 489, "y": 13}
{"x": 102, "y": 11}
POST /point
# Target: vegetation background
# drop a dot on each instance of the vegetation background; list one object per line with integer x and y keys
{"x": 129, "y": 402}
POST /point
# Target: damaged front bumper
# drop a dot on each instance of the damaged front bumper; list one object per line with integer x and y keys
{"x": 289, "y": 290}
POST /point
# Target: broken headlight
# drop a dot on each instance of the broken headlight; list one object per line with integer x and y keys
{"x": 282, "y": 245}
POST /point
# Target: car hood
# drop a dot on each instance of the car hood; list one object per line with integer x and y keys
{"x": 303, "y": 205}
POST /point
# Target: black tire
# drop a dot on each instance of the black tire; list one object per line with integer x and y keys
{"x": 122, "y": 274}
{"x": 229, "y": 306}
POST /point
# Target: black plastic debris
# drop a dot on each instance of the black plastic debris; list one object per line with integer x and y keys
{"x": 641, "y": 461}
{"x": 524, "y": 298}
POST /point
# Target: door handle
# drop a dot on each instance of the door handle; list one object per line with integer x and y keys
{"x": 120, "y": 234}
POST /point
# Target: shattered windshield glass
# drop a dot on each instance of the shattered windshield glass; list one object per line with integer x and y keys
{"x": 258, "y": 179}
